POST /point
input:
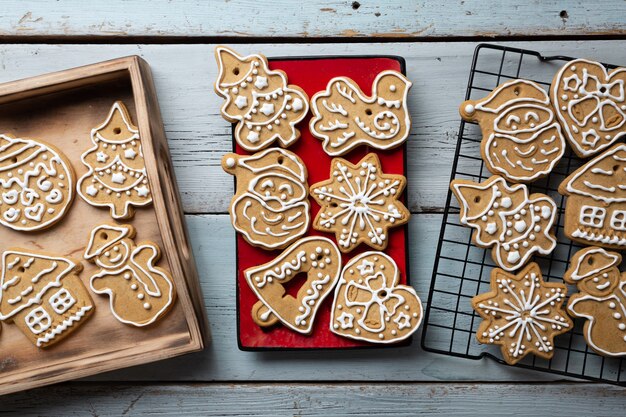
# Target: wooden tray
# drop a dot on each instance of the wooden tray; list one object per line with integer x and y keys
{"x": 312, "y": 74}
{"x": 61, "y": 109}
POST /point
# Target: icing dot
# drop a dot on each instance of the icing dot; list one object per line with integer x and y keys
{"x": 469, "y": 109}
{"x": 146, "y": 306}
{"x": 127, "y": 276}
{"x": 230, "y": 162}
{"x": 381, "y": 336}
{"x": 133, "y": 287}
{"x": 335, "y": 326}
{"x": 140, "y": 296}
{"x": 622, "y": 326}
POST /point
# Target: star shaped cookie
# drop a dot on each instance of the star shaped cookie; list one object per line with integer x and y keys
{"x": 359, "y": 203}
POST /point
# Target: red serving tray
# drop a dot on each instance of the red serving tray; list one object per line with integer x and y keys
{"x": 312, "y": 75}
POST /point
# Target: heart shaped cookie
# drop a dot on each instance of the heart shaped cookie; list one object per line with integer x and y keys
{"x": 369, "y": 303}
{"x": 590, "y": 104}
{"x": 320, "y": 259}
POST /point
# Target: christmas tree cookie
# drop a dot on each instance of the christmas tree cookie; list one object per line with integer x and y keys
{"x": 117, "y": 173}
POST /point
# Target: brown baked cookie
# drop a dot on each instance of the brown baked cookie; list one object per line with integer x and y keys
{"x": 514, "y": 224}
{"x": 591, "y": 105}
{"x": 371, "y": 305}
{"x": 140, "y": 293}
{"x": 320, "y": 259}
{"x": 259, "y": 100}
{"x": 601, "y": 299}
{"x": 36, "y": 184}
{"x": 43, "y": 295}
{"x": 522, "y": 140}
{"x": 344, "y": 117}
{"x": 522, "y": 313}
{"x": 359, "y": 203}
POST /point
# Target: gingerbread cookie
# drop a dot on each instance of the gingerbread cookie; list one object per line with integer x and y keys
{"x": 140, "y": 293}
{"x": 259, "y": 100}
{"x": 591, "y": 105}
{"x": 43, "y": 295}
{"x": 595, "y": 212}
{"x": 601, "y": 300}
{"x": 320, "y": 259}
{"x": 270, "y": 207}
{"x": 506, "y": 218}
{"x": 522, "y": 314}
{"x": 117, "y": 172}
{"x": 522, "y": 140}
{"x": 36, "y": 184}
{"x": 359, "y": 203}
{"x": 344, "y": 117}
{"x": 370, "y": 304}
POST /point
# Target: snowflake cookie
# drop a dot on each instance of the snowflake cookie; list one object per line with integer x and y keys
{"x": 359, "y": 203}
{"x": 369, "y": 303}
{"x": 506, "y": 218}
{"x": 522, "y": 314}
{"x": 259, "y": 100}
{"x": 601, "y": 299}
{"x": 344, "y": 117}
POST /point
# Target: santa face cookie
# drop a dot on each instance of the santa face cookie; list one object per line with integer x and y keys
{"x": 140, "y": 293}
{"x": 370, "y": 304}
{"x": 601, "y": 299}
{"x": 522, "y": 314}
{"x": 259, "y": 100}
{"x": 117, "y": 172}
{"x": 595, "y": 212}
{"x": 344, "y": 117}
{"x": 591, "y": 105}
{"x": 270, "y": 207}
{"x": 36, "y": 184}
{"x": 359, "y": 203}
{"x": 42, "y": 295}
{"x": 522, "y": 140}
{"x": 506, "y": 218}
{"x": 320, "y": 259}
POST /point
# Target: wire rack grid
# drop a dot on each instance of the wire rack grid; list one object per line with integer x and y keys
{"x": 462, "y": 270}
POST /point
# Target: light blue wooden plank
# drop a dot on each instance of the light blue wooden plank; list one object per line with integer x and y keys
{"x": 311, "y": 19}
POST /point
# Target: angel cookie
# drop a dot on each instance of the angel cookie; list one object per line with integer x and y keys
{"x": 36, "y": 184}
{"x": 259, "y": 100}
{"x": 595, "y": 212}
{"x": 522, "y": 140}
{"x": 140, "y": 292}
{"x": 370, "y": 304}
{"x": 522, "y": 314}
{"x": 320, "y": 259}
{"x": 344, "y": 117}
{"x": 117, "y": 172}
{"x": 506, "y": 218}
{"x": 591, "y": 105}
{"x": 601, "y": 299}
{"x": 42, "y": 295}
{"x": 270, "y": 207}
{"x": 359, "y": 203}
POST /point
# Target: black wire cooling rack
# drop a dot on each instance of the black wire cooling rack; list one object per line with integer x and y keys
{"x": 462, "y": 270}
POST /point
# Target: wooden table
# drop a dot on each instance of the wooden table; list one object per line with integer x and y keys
{"x": 177, "y": 39}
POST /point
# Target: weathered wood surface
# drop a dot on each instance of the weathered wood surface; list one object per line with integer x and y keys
{"x": 275, "y": 400}
{"x": 242, "y": 19}
{"x": 198, "y": 136}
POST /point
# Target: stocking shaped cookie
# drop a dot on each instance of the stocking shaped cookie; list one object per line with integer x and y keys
{"x": 359, "y": 203}
{"x": 591, "y": 105}
{"x": 140, "y": 292}
{"x": 36, "y": 184}
{"x": 42, "y": 295}
{"x": 270, "y": 207}
{"x": 601, "y": 299}
{"x": 259, "y": 100}
{"x": 344, "y": 117}
{"x": 507, "y": 219}
{"x": 370, "y": 304}
{"x": 522, "y": 313}
{"x": 320, "y": 259}
{"x": 117, "y": 172}
{"x": 522, "y": 140}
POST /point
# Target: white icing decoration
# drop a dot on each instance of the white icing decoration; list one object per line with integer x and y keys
{"x": 241, "y": 102}
{"x": 130, "y": 153}
{"x": 66, "y": 324}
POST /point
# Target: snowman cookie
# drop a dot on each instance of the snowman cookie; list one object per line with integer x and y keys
{"x": 36, "y": 184}
{"x": 117, "y": 176}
